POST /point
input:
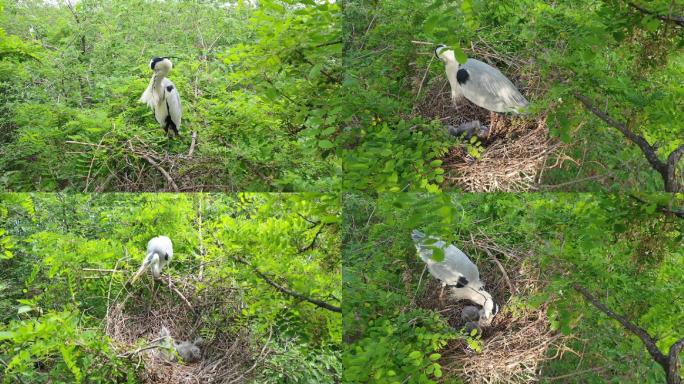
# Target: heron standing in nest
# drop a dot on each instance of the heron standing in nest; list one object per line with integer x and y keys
{"x": 482, "y": 84}
{"x": 162, "y": 96}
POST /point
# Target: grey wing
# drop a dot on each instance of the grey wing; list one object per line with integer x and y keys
{"x": 461, "y": 262}
{"x": 444, "y": 272}
{"x": 173, "y": 100}
{"x": 425, "y": 250}
{"x": 489, "y": 88}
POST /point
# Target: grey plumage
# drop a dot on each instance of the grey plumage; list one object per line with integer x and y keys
{"x": 189, "y": 352}
{"x": 469, "y": 326}
{"x": 482, "y": 84}
{"x": 162, "y": 96}
{"x": 454, "y": 266}
{"x": 469, "y": 129}
{"x": 470, "y": 313}
{"x": 456, "y": 271}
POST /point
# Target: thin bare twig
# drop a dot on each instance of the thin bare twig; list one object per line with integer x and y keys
{"x": 153, "y": 163}
{"x": 172, "y": 286}
{"x": 192, "y": 144}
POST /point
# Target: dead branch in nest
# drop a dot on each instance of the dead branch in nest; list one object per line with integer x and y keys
{"x": 155, "y": 165}
{"x": 257, "y": 360}
{"x": 172, "y": 286}
{"x": 192, "y": 144}
{"x": 152, "y": 345}
{"x": 226, "y": 354}
{"x": 497, "y": 262}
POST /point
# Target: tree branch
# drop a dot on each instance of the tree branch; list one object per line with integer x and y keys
{"x": 672, "y": 161}
{"x": 667, "y": 18}
{"x": 313, "y": 241}
{"x": 648, "y": 341}
{"x": 153, "y": 163}
{"x": 666, "y": 210}
{"x": 318, "y": 303}
{"x": 673, "y": 360}
{"x": 666, "y": 169}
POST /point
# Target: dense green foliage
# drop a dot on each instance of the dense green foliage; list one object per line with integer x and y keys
{"x": 52, "y": 307}
{"x": 256, "y": 84}
{"x": 628, "y": 63}
{"x": 628, "y": 252}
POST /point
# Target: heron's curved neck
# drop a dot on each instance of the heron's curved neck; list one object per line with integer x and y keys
{"x": 158, "y": 78}
{"x": 451, "y": 68}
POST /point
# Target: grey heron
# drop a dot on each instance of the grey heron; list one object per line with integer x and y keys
{"x": 189, "y": 352}
{"x": 470, "y": 129}
{"x": 482, "y": 84}
{"x": 159, "y": 253}
{"x": 162, "y": 96}
{"x": 470, "y": 313}
{"x": 457, "y": 272}
{"x": 473, "y": 325}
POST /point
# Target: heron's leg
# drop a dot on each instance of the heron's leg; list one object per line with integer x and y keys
{"x": 493, "y": 121}
{"x": 174, "y": 128}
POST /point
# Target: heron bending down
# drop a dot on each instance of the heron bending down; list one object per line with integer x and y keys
{"x": 458, "y": 273}
{"x": 159, "y": 252}
{"x": 480, "y": 83}
{"x": 162, "y": 96}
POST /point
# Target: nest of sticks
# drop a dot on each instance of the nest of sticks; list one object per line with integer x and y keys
{"x": 515, "y": 152}
{"x": 519, "y": 339}
{"x": 228, "y": 353}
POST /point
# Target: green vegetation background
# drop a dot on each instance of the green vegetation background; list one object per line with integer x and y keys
{"x": 52, "y": 311}
{"x": 628, "y": 63}
{"x": 257, "y": 85}
{"x": 627, "y": 252}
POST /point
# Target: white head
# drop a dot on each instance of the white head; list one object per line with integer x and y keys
{"x": 161, "y": 65}
{"x": 489, "y": 309}
{"x": 451, "y": 67}
{"x": 445, "y": 55}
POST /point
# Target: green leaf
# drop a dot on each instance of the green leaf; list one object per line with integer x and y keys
{"x": 437, "y": 254}
{"x": 4, "y": 335}
{"x": 325, "y": 144}
{"x": 460, "y": 55}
